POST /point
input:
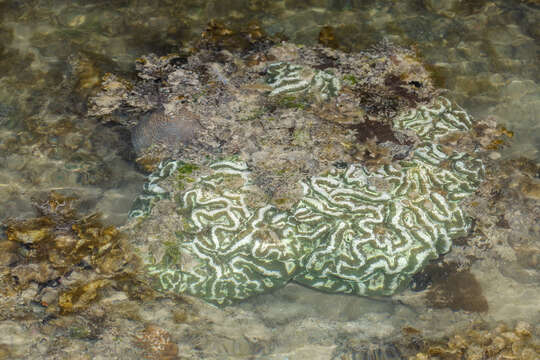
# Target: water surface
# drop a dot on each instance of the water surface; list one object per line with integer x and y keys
{"x": 53, "y": 55}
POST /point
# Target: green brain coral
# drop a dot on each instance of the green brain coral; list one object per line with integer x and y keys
{"x": 436, "y": 120}
{"x": 152, "y": 192}
{"x": 228, "y": 250}
{"x": 286, "y": 78}
{"x": 353, "y": 231}
{"x": 384, "y": 225}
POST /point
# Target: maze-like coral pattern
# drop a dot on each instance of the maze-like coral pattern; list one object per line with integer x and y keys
{"x": 152, "y": 192}
{"x": 435, "y": 120}
{"x": 292, "y": 79}
{"x": 379, "y": 238}
{"x": 226, "y": 250}
{"x": 354, "y": 231}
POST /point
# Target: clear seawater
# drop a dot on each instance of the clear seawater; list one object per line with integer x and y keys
{"x": 54, "y": 53}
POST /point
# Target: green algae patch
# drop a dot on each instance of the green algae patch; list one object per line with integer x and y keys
{"x": 183, "y": 173}
{"x": 291, "y": 102}
{"x": 350, "y": 79}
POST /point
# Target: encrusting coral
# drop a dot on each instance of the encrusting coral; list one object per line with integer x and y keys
{"x": 226, "y": 249}
{"x": 273, "y": 185}
{"x": 380, "y": 237}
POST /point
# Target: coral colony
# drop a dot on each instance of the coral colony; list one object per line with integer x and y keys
{"x": 353, "y": 227}
{"x": 345, "y": 235}
{"x": 287, "y": 78}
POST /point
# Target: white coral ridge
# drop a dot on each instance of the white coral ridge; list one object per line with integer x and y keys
{"x": 354, "y": 231}
{"x": 229, "y": 251}
{"x": 287, "y": 78}
{"x": 436, "y": 120}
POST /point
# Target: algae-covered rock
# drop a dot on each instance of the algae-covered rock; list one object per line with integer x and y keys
{"x": 277, "y": 183}
{"x": 66, "y": 258}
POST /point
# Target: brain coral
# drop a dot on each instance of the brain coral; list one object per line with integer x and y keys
{"x": 434, "y": 121}
{"x": 385, "y": 225}
{"x": 355, "y": 230}
{"x": 227, "y": 250}
{"x": 287, "y": 78}
{"x": 151, "y": 190}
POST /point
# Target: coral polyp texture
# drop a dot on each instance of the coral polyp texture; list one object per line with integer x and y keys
{"x": 293, "y": 79}
{"x": 227, "y": 250}
{"x": 384, "y": 226}
{"x": 278, "y": 181}
{"x": 434, "y": 121}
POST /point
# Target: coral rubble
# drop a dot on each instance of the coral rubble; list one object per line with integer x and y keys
{"x": 157, "y": 344}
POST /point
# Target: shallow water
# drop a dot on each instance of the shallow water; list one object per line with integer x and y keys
{"x": 54, "y": 53}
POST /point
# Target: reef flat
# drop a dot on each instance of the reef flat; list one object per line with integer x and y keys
{"x": 336, "y": 171}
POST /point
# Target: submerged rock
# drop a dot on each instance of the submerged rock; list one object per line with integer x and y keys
{"x": 482, "y": 341}
{"x": 160, "y": 130}
{"x": 273, "y": 183}
{"x": 353, "y": 231}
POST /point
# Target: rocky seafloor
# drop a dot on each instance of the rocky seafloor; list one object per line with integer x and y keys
{"x": 73, "y": 287}
{"x": 280, "y": 171}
